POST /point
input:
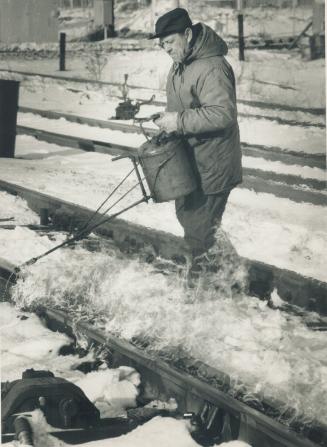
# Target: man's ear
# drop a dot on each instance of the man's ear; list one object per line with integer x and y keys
{"x": 188, "y": 34}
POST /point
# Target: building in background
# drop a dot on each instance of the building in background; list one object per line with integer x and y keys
{"x": 29, "y": 21}
{"x": 104, "y": 16}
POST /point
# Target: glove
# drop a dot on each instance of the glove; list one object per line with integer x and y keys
{"x": 167, "y": 121}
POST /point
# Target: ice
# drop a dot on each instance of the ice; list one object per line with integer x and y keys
{"x": 26, "y": 343}
{"x": 108, "y": 387}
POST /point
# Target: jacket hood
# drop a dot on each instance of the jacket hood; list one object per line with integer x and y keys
{"x": 207, "y": 44}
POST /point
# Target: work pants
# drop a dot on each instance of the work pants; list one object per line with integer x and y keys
{"x": 200, "y": 214}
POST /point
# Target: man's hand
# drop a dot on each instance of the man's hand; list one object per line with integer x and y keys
{"x": 167, "y": 121}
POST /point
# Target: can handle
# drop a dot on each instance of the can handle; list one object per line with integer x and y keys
{"x": 123, "y": 156}
{"x": 143, "y": 120}
{"x": 143, "y": 131}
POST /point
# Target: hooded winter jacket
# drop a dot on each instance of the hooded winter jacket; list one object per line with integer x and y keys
{"x": 202, "y": 91}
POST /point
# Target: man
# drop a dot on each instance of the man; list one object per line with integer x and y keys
{"x": 201, "y": 106}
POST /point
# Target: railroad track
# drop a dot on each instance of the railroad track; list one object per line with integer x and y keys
{"x": 269, "y": 153}
{"x": 146, "y": 92}
{"x": 288, "y": 186}
{"x": 197, "y": 388}
{"x": 293, "y": 288}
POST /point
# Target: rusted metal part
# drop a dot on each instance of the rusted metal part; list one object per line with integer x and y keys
{"x": 285, "y": 186}
{"x": 308, "y": 293}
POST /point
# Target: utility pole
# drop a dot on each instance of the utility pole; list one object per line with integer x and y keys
{"x": 317, "y": 40}
{"x": 241, "y": 45}
{"x": 104, "y": 16}
{"x": 62, "y": 52}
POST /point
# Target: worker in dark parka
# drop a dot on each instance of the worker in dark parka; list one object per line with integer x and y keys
{"x": 201, "y": 106}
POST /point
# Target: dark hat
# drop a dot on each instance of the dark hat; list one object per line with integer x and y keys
{"x": 175, "y": 21}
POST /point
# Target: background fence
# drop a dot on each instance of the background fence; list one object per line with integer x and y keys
{"x": 223, "y": 3}
{"x": 76, "y": 3}
{"x": 263, "y": 3}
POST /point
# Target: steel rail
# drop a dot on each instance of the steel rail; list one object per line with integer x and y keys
{"x": 291, "y": 187}
{"x": 259, "y": 104}
{"x": 270, "y": 153}
{"x": 302, "y": 291}
{"x": 104, "y": 123}
{"x": 192, "y": 391}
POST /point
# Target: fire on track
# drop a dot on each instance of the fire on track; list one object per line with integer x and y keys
{"x": 198, "y": 389}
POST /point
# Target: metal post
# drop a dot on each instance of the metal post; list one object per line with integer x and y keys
{"x": 44, "y": 216}
{"x": 241, "y": 45}
{"x": 62, "y": 52}
{"x": 9, "y": 92}
{"x": 111, "y": 30}
{"x": 317, "y": 40}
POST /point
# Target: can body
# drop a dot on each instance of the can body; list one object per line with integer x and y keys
{"x": 8, "y": 117}
{"x": 167, "y": 170}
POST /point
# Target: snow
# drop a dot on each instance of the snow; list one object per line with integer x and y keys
{"x": 111, "y": 390}
{"x": 265, "y": 21}
{"x": 253, "y": 131}
{"x": 27, "y": 343}
{"x": 281, "y": 168}
{"x": 273, "y": 353}
{"x": 82, "y": 131}
{"x": 282, "y": 78}
{"x": 14, "y": 206}
{"x": 278, "y": 231}
{"x": 155, "y": 433}
{"x": 261, "y": 226}
{"x": 311, "y": 141}
{"x": 31, "y": 244}
{"x": 269, "y": 133}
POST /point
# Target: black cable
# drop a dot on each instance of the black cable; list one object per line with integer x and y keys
{"x": 76, "y": 238}
{"x": 106, "y": 200}
{"x": 117, "y": 201}
{"x": 81, "y": 234}
{"x": 144, "y": 199}
{"x": 89, "y": 230}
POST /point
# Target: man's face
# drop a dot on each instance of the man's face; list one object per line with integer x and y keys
{"x": 176, "y": 45}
